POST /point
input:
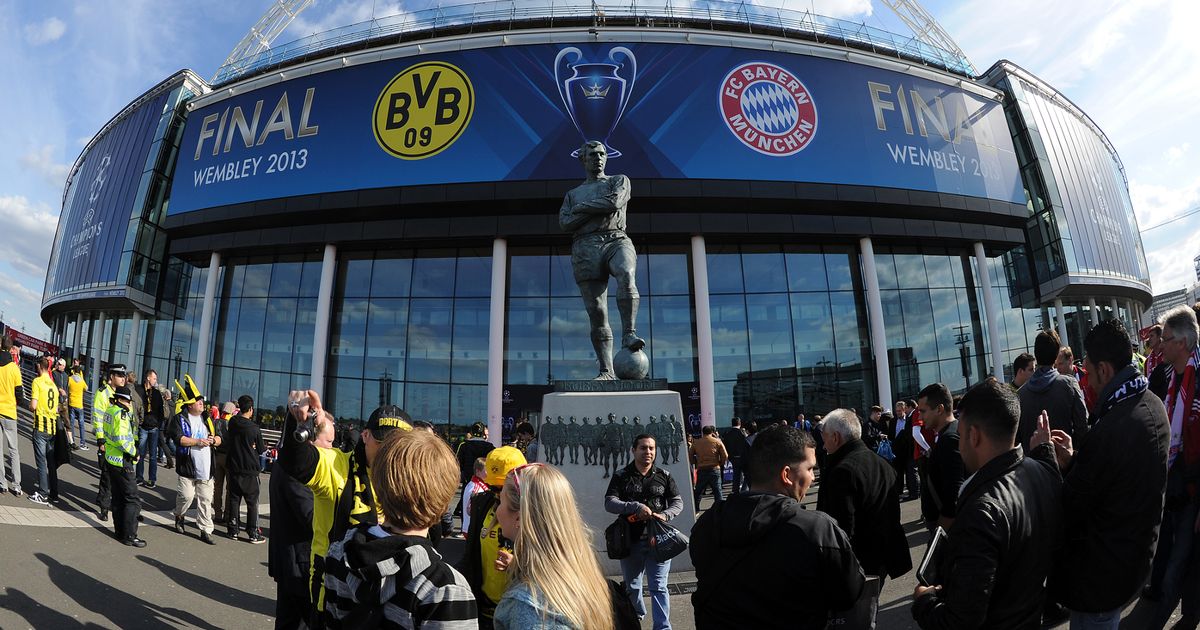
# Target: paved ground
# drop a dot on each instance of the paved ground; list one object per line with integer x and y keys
{"x": 62, "y": 569}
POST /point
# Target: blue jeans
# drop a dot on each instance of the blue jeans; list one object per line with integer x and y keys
{"x": 1175, "y": 544}
{"x": 641, "y": 561}
{"x": 43, "y": 456}
{"x": 708, "y": 479}
{"x": 75, "y": 425}
{"x": 147, "y": 453}
{"x": 1110, "y": 620}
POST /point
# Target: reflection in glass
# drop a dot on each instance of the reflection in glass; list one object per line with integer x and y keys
{"x": 527, "y": 359}
{"x": 763, "y": 271}
{"x": 769, "y": 326}
{"x": 427, "y": 401}
{"x": 387, "y": 339}
{"x": 470, "y": 353}
{"x": 433, "y": 276}
{"x": 674, "y": 349}
{"x": 392, "y": 275}
{"x": 806, "y": 272}
{"x": 724, "y": 270}
{"x": 347, "y": 338}
{"x": 731, "y": 345}
{"x": 429, "y": 337}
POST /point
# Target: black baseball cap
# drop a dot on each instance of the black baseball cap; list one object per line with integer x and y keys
{"x": 386, "y": 418}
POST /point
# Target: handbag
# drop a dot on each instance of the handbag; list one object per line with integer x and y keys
{"x": 666, "y": 542}
{"x": 618, "y": 539}
{"x": 884, "y": 450}
{"x": 862, "y": 613}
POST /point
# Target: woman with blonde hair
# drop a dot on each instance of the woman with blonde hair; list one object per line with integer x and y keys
{"x": 555, "y": 579}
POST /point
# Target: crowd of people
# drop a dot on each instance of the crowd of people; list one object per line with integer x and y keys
{"x": 1064, "y": 494}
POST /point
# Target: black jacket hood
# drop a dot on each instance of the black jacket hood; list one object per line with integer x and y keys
{"x": 746, "y": 518}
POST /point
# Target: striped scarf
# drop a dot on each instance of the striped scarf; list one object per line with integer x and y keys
{"x": 1185, "y": 387}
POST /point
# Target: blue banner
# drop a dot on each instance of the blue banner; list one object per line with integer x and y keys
{"x": 663, "y": 110}
{"x": 99, "y": 204}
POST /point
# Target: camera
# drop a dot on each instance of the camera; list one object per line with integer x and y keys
{"x": 306, "y": 430}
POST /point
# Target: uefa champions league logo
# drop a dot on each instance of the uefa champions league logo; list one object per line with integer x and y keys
{"x": 595, "y": 94}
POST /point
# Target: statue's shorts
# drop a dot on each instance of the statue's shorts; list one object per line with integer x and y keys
{"x": 598, "y": 255}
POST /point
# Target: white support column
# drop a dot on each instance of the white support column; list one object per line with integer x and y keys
{"x": 134, "y": 337}
{"x": 320, "y": 348}
{"x": 78, "y": 333}
{"x": 98, "y": 336}
{"x": 1132, "y": 321}
{"x": 993, "y": 312}
{"x": 1095, "y": 311}
{"x": 883, "y": 371}
{"x": 499, "y": 294}
{"x": 1116, "y": 311}
{"x": 704, "y": 347}
{"x": 200, "y": 376}
{"x": 1062, "y": 322}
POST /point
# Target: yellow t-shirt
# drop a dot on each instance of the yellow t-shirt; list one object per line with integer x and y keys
{"x": 494, "y": 582}
{"x": 45, "y": 392}
{"x": 327, "y": 483}
{"x": 10, "y": 379}
{"x": 75, "y": 389}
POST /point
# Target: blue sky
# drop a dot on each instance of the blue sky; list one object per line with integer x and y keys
{"x": 73, "y": 65}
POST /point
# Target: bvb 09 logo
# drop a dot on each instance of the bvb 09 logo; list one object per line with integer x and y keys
{"x": 423, "y": 110}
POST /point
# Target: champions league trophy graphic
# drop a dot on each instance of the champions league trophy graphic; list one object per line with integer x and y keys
{"x": 595, "y": 93}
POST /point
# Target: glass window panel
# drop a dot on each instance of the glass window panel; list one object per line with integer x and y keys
{"x": 806, "y": 271}
{"x": 562, "y": 278}
{"x": 910, "y": 271}
{"x": 956, "y": 373}
{"x": 251, "y": 320}
{"x": 929, "y": 374}
{"x": 279, "y": 336}
{"x": 527, "y": 358}
{"x": 812, "y": 330}
{"x": 235, "y": 274}
{"x": 392, "y": 275}
{"x": 672, "y": 349}
{"x": 529, "y": 276}
{"x": 470, "y": 353}
{"x": 474, "y": 275}
{"x": 380, "y": 391}
{"x": 245, "y": 382}
{"x": 258, "y": 280}
{"x": 956, "y": 270}
{"x": 347, "y": 338}
{"x": 571, "y": 353}
{"x": 854, "y": 390}
{"x": 430, "y": 331}
{"x": 273, "y": 388}
{"x": 818, "y": 392}
{"x": 850, "y": 334}
{"x": 669, "y": 274}
{"x": 387, "y": 339}
{"x": 940, "y": 270}
{"x": 222, "y": 381}
{"x": 885, "y": 268}
{"x": 764, "y": 271}
{"x": 310, "y": 278}
{"x": 354, "y": 276}
{"x": 837, "y": 269}
{"x": 893, "y": 319}
{"x": 769, "y": 325}
{"x": 731, "y": 345}
{"x": 285, "y": 278}
{"x": 306, "y": 323}
{"x": 433, "y": 276}
{"x": 724, "y": 270}
{"x": 226, "y": 336}
{"x": 424, "y": 401}
{"x": 468, "y": 404}
{"x": 918, "y": 324}
{"x": 723, "y": 399}
{"x": 346, "y": 400}
{"x": 947, "y": 324}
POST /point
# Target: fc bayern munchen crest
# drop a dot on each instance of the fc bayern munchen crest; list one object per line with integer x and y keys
{"x": 768, "y": 109}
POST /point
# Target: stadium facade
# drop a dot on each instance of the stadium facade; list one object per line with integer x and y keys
{"x": 825, "y": 215}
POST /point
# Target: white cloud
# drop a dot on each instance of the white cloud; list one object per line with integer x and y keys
{"x": 46, "y": 31}
{"x": 41, "y": 161}
{"x": 29, "y": 233}
{"x": 1176, "y": 153}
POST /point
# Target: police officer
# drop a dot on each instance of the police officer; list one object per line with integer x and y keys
{"x": 120, "y": 451}
{"x": 117, "y": 376}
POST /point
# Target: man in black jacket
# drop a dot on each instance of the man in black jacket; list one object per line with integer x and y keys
{"x": 154, "y": 414}
{"x": 944, "y": 468}
{"x": 903, "y": 447}
{"x": 245, "y": 444}
{"x": 862, "y": 493}
{"x": 1008, "y": 526}
{"x": 1050, "y": 391}
{"x": 762, "y": 560}
{"x": 289, "y": 548}
{"x": 736, "y": 447}
{"x": 1113, "y": 485}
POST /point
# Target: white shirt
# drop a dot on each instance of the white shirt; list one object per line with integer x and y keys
{"x": 201, "y": 458}
{"x": 1177, "y": 426}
